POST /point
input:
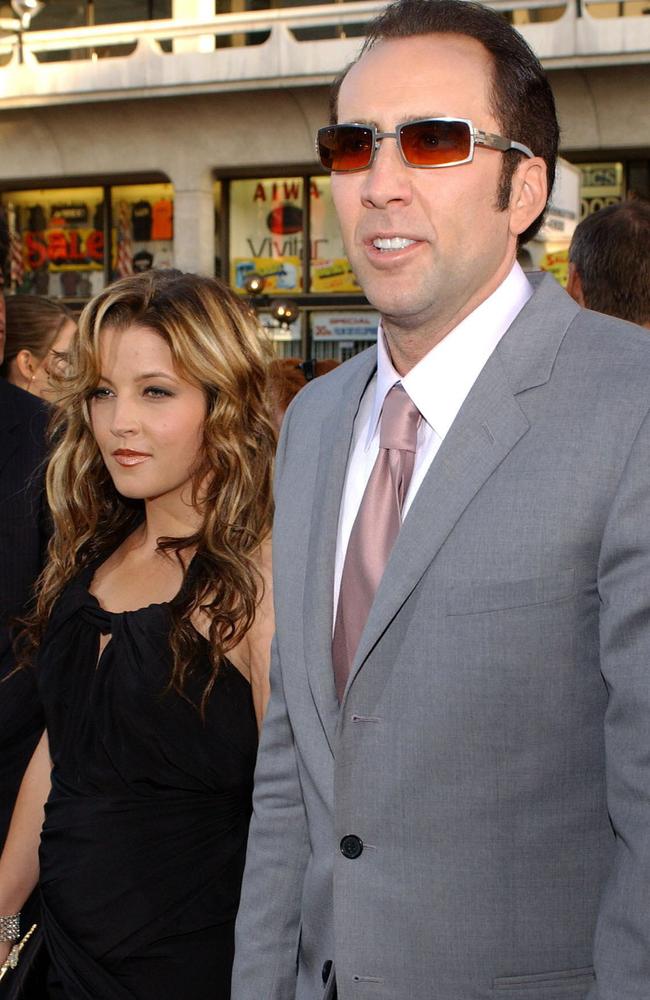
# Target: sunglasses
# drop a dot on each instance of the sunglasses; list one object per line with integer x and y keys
{"x": 428, "y": 142}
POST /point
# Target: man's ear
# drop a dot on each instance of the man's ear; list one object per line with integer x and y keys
{"x": 528, "y": 194}
{"x": 26, "y": 365}
{"x": 574, "y": 285}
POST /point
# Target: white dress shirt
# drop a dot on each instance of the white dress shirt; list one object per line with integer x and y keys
{"x": 438, "y": 385}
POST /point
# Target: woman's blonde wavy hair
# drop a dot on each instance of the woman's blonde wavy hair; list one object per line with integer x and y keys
{"x": 216, "y": 343}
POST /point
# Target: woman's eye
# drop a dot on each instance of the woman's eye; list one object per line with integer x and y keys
{"x": 101, "y": 392}
{"x": 156, "y": 392}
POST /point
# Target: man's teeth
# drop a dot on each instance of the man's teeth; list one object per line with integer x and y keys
{"x": 394, "y": 243}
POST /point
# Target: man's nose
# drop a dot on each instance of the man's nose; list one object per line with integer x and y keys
{"x": 387, "y": 178}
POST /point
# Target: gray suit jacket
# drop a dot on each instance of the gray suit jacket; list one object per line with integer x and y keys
{"x": 492, "y": 752}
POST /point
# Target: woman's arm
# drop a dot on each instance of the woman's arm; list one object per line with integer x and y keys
{"x": 19, "y": 861}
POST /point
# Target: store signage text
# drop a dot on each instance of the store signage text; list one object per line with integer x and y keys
{"x": 283, "y": 191}
{"x": 291, "y": 247}
{"x": 78, "y": 248}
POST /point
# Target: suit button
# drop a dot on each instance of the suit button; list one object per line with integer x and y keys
{"x": 351, "y": 847}
{"x": 325, "y": 971}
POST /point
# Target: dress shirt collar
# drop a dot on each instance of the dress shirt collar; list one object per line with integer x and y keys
{"x": 440, "y": 382}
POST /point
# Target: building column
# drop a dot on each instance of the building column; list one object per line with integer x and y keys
{"x": 193, "y": 10}
{"x": 194, "y": 245}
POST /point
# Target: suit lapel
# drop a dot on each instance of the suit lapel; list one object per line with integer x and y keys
{"x": 336, "y": 437}
{"x": 487, "y": 427}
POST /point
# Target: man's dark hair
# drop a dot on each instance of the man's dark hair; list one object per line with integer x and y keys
{"x": 611, "y": 253}
{"x": 4, "y": 246}
{"x": 521, "y": 97}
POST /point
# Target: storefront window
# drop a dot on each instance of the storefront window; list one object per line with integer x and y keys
{"x": 330, "y": 268}
{"x": 143, "y": 228}
{"x": 268, "y": 230}
{"x": 266, "y": 233}
{"x": 61, "y": 234}
{"x": 341, "y": 333}
{"x": 278, "y": 227}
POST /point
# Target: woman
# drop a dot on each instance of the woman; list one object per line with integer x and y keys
{"x": 153, "y": 624}
{"x": 38, "y": 337}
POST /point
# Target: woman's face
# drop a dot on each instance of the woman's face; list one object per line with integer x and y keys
{"x": 54, "y": 363}
{"x": 147, "y": 419}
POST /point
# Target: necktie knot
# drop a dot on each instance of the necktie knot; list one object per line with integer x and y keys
{"x": 399, "y": 421}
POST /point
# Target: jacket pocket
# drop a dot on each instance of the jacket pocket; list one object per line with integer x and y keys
{"x": 552, "y": 985}
{"x": 481, "y": 596}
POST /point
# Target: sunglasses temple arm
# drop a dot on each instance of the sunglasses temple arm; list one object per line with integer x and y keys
{"x": 520, "y": 148}
{"x": 498, "y": 142}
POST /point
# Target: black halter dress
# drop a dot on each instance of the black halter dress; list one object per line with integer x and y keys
{"x": 143, "y": 845}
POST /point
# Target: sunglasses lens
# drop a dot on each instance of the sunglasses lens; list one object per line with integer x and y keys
{"x": 345, "y": 147}
{"x": 434, "y": 143}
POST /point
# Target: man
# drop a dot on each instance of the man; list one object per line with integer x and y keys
{"x": 23, "y": 538}
{"x": 432, "y": 820}
{"x": 609, "y": 262}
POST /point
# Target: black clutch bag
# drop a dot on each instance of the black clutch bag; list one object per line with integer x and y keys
{"x": 27, "y": 978}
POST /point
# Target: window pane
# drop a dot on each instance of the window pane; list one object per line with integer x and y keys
{"x": 266, "y": 233}
{"x": 330, "y": 268}
{"x": 342, "y": 333}
{"x": 143, "y": 228}
{"x": 61, "y": 232}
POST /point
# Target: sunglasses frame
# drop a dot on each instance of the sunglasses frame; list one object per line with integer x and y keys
{"x": 477, "y": 137}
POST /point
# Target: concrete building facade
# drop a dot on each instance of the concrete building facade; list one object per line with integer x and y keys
{"x": 204, "y": 123}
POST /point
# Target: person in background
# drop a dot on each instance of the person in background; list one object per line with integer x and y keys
{"x": 452, "y": 794}
{"x": 24, "y": 530}
{"x": 287, "y": 376}
{"x": 609, "y": 262}
{"x": 39, "y": 333}
{"x": 150, "y": 639}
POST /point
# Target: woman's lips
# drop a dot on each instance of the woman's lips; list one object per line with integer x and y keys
{"x": 125, "y": 457}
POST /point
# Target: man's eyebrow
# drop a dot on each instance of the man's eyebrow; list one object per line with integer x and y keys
{"x": 401, "y": 119}
{"x": 358, "y": 121}
{"x": 425, "y": 117}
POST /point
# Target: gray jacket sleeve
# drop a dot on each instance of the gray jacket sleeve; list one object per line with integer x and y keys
{"x": 268, "y": 923}
{"x": 622, "y": 942}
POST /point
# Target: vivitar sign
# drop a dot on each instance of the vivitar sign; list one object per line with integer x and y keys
{"x": 563, "y": 212}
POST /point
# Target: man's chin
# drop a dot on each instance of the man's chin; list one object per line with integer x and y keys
{"x": 400, "y": 316}
{"x": 396, "y": 305}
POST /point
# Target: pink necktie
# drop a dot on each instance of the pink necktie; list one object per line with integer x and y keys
{"x": 375, "y": 528}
